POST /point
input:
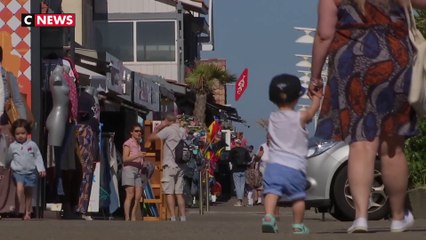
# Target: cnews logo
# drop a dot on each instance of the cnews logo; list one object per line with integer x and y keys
{"x": 48, "y": 20}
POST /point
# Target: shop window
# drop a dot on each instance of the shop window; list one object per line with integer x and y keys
{"x": 156, "y": 41}
{"x": 115, "y": 38}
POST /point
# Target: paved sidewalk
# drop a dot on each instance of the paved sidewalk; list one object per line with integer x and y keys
{"x": 222, "y": 222}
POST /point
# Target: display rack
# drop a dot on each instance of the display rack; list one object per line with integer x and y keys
{"x": 154, "y": 202}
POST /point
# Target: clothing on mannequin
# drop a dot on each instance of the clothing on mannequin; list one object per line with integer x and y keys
{"x": 85, "y": 152}
{"x": 67, "y": 61}
{"x": 58, "y": 116}
{"x": 73, "y": 98}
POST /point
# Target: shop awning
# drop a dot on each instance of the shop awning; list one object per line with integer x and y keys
{"x": 227, "y": 112}
{"x": 190, "y": 5}
{"x": 91, "y": 78}
{"x": 179, "y": 88}
{"x": 168, "y": 89}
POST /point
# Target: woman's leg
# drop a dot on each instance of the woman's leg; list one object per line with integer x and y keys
{"x": 130, "y": 194}
{"x": 28, "y": 202}
{"x": 362, "y": 155}
{"x": 138, "y": 195}
{"x": 394, "y": 173}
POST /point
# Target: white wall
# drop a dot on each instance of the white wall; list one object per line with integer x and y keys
{"x": 137, "y": 6}
{"x": 164, "y": 69}
{"x": 73, "y": 6}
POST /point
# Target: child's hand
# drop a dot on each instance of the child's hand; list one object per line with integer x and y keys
{"x": 319, "y": 94}
{"x": 42, "y": 174}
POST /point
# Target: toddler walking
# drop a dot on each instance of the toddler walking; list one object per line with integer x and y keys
{"x": 288, "y": 146}
{"x": 25, "y": 160}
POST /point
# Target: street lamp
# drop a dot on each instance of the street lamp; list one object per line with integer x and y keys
{"x": 305, "y": 78}
{"x": 307, "y": 38}
{"x": 305, "y": 62}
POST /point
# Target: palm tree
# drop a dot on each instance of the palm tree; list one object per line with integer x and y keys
{"x": 201, "y": 80}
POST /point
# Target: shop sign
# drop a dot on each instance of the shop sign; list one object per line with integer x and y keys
{"x": 116, "y": 75}
{"x": 146, "y": 92}
{"x": 127, "y": 85}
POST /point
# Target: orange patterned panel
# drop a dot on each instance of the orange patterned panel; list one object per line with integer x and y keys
{"x": 22, "y": 2}
{"x": 14, "y": 39}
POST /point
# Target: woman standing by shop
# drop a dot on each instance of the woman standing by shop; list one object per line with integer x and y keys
{"x": 131, "y": 175}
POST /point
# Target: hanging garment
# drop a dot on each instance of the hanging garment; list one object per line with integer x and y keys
{"x": 113, "y": 164}
{"x": 7, "y": 191}
{"x": 85, "y": 153}
{"x": 73, "y": 97}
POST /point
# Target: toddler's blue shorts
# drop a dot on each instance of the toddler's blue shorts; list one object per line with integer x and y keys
{"x": 284, "y": 182}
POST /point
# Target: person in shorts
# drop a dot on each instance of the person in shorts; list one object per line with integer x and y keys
{"x": 26, "y": 162}
{"x": 131, "y": 177}
{"x": 288, "y": 146}
{"x": 172, "y": 177}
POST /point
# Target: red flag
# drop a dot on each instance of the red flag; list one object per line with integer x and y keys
{"x": 241, "y": 84}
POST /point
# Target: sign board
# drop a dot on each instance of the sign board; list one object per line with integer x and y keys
{"x": 115, "y": 74}
{"x": 146, "y": 92}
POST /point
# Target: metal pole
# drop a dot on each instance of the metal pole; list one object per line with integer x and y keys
{"x": 200, "y": 193}
{"x": 207, "y": 187}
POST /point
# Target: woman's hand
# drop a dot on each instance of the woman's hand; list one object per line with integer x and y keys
{"x": 315, "y": 85}
{"x": 42, "y": 174}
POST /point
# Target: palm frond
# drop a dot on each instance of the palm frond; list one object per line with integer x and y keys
{"x": 201, "y": 79}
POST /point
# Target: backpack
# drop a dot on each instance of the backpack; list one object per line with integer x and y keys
{"x": 182, "y": 152}
{"x": 239, "y": 156}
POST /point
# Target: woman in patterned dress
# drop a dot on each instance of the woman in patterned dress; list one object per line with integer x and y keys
{"x": 365, "y": 99}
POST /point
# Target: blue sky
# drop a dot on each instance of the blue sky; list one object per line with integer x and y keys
{"x": 260, "y": 35}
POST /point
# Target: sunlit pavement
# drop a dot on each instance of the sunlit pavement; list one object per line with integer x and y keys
{"x": 223, "y": 221}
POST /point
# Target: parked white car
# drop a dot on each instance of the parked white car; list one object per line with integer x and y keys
{"x": 328, "y": 188}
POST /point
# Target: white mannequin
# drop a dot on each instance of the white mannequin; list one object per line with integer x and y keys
{"x": 58, "y": 116}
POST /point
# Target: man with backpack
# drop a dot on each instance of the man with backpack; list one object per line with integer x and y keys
{"x": 240, "y": 159}
{"x": 172, "y": 178}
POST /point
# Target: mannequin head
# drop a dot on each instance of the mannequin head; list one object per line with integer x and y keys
{"x": 58, "y": 70}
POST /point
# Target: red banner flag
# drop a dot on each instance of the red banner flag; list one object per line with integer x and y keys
{"x": 241, "y": 84}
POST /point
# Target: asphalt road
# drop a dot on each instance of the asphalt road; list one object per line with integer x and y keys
{"x": 222, "y": 222}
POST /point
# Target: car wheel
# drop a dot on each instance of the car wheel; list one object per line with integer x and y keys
{"x": 342, "y": 201}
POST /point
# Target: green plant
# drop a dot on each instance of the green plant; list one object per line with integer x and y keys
{"x": 415, "y": 147}
{"x": 201, "y": 80}
{"x": 416, "y": 155}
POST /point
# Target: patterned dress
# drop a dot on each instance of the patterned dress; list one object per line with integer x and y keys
{"x": 369, "y": 71}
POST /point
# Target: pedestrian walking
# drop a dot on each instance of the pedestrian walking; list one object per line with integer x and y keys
{"x": 26, "y": 162}
{"x": 288, "y": 146}
{"x": 365, "y": 99}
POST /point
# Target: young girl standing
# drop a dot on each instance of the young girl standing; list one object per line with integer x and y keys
{"x": 26, "y": 163}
